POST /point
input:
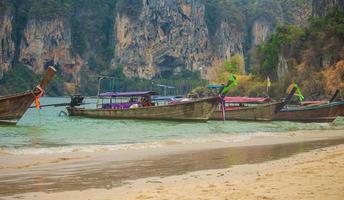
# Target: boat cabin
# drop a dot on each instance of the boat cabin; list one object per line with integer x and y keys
{"x": 125, "y": 100}
{"x": 233, "y": 103}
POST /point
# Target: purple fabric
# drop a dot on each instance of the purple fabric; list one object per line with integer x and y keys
{"x": 127, "y": 94}
{"x": 120, "y": 105}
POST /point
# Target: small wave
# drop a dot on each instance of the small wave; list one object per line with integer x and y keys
{"x": 133, "y": 146}
{"x": 33, "y": 164}
{"x": 75, "y": 148}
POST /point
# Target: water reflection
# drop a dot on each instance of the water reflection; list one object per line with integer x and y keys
{"x": 107, "y": 174}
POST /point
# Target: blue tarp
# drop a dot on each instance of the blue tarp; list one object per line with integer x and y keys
{"x": 215, "y": 86}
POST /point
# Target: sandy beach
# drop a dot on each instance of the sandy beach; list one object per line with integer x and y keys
{"x": 295, "y": 165}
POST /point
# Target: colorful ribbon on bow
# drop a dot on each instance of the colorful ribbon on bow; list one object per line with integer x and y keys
{"x": 230, "y": 84}
{"x": 37, "y": 102}
{"x": 298, "y": 93}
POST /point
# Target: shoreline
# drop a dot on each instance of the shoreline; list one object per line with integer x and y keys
{"x": 187, "y": 144}
{"x": 317, "y": 174}
{"x": 112, "y": 170}
{"x": 11, "y": 164}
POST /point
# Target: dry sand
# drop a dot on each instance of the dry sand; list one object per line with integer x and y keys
{"x": 318, "y": 174}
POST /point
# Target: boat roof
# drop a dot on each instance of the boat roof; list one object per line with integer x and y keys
{"x": 161, "y": 98}
{"x": 246, "y": 100}
{"x": 215, "y": 86}
{"x": 127, "y": 94}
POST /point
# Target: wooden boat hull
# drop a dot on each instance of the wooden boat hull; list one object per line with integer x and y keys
{"x": 198, "y": 110}
{"x": 13, "y": 107}
{"x": 263, "y": 112}
{"x": 341, "y": 109}
{"x": 317, "y": 113}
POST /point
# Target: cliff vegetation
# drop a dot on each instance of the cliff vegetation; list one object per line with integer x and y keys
{"x": 184, "y": 43}
{"x": 314, "y": 56}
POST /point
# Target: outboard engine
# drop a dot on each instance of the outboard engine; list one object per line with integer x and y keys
{"x": 76, "y": 100}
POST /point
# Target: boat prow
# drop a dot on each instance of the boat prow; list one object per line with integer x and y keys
{"x": 13, "y": 107}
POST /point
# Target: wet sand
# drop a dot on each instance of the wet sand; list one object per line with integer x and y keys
{"x": 254, "y": 169}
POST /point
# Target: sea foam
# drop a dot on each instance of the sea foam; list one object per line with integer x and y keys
{"x": 132, "y": 146}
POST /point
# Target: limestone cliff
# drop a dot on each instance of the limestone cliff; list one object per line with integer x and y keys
{"x": 7, "y": 49}
{"x": 261, "y": 30}
{"x": 322, "y": 7}
{"x": 229, "y": 40}
{"x": 165, "y": 38}
{"x": 319, "y": 8}
{"x": 48, "y": 42}
{"x": 161, "y": 38}
{"x": 147, "y": 38}
{"x": 297, "y": 13}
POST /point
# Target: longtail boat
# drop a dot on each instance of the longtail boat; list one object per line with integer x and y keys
{"x": 13, "y": 107}
{"x": 250, "y": 109}
{"x": 324, "y": 112}
{"x": 139, "y": 105}
{"x": 313, "y": 111}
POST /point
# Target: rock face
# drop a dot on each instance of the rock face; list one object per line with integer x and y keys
{"x": 282, "y": 67}
{"x": 321, "y": 7}
{"x": 228, "y": 41}
{"x": 264, "y": 22}
{"x": 48, "y": 42}
{"x": 7, "y": 47}
{"x": 269, "y": 15}
{"x": 148, "y": 38}
{"x": 261, "y": 30}
{"x": 169, "y": 36}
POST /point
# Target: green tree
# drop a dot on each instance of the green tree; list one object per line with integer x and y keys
{"x": 235, "y": 64}
{"x": 283, "y": 37}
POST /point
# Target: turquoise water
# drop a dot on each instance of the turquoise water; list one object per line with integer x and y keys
{"x": 46, "y": 129}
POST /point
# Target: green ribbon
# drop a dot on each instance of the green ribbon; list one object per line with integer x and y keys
{"x": 299, "y": 95}
{"x": 230, "y": 84}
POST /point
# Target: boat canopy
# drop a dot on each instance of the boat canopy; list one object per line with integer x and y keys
{"x": 127, "y": 94}
{"x": 246, "y": 100}
{"x": 215, "y": 86}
